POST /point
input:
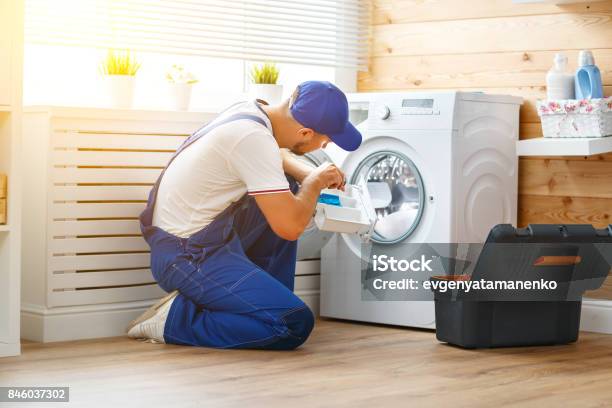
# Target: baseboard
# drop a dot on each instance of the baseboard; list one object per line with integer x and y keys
{"x": 596, "y": 316}
{"x": 88, "y": 322}
{"x": 78, "y": 322}
{"x": 10, "y": 349}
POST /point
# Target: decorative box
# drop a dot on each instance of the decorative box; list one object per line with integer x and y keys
{"x": 576, "y": 118}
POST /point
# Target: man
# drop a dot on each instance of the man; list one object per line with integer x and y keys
{"x": 224, "y": 216}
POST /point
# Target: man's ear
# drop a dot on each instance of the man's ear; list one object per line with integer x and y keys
{"x": 306, "y": 134}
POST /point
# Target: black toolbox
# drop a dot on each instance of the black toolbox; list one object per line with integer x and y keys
{"x": 576, "y": 257}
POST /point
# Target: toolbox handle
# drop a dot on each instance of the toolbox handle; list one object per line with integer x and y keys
{"x": 557, "y": 260}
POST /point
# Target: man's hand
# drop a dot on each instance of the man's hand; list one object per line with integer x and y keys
{"x": 299, "y": 170}
{"x": 327, "y": 175}
{"x": 288, "y": 214}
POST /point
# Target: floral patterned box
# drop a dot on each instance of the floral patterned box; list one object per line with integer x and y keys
{"x": 576, "y": 118}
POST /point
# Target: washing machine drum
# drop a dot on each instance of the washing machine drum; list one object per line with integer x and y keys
{"x": 312, "y": 240}
{"x": 396, "y": 189}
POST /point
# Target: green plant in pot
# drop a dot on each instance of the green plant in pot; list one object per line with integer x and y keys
{"x": 180, "y": 83}
{"x": 263, "y": 82}
{"x": 119, "y": 69}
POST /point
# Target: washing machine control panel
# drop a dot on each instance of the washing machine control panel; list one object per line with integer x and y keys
{"x": 402, "y": 110}
{"x": 405, "y": 107}
{"x": 383, "y": 112}
{"x": 418, "y": 106}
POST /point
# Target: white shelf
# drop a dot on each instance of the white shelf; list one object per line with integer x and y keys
{"x": 120, "y": 114}
{"x": 4, "y": 228}
{"x": 5, "y": 108}
{"x": 544, "y": 146}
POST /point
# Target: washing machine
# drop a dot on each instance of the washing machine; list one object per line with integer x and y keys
{"x": 441, "y": 167}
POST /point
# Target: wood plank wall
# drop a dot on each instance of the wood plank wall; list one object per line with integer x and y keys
{"x": 497, "y": 46}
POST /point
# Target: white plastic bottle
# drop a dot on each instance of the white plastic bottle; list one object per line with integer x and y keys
{"x": 559, "y": 82}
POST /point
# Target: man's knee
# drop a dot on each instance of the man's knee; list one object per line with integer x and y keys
{"x": 298, "y": 324}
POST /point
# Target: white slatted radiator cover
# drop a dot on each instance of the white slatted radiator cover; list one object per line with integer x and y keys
{"x": 101, "y": 165}
{"x": 100, "y": 182}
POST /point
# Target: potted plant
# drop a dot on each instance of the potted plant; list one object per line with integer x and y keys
{"x": 263, "y": 83}
{"x": 119, "y": 70}
{"x": 180, "y": 83}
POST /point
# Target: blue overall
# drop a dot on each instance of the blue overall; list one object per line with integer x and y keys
{"x": 234, "y": 277}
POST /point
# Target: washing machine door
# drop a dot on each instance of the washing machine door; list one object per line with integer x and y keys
{"x": 395, "y": 185}
{"x": 312, "y": 240}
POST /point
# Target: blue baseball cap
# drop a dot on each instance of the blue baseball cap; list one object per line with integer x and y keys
{"x": 322, "y": 107}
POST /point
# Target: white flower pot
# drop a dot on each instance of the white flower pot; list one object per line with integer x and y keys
{"x": 271, "y": 93}
{"x": 119, "y": 90}
{"x": 180, "y": 96}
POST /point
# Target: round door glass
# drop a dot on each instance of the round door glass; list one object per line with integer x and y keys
{"x": 396, "y": 190}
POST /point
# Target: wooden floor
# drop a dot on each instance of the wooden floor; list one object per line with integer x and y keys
{"x": 342, "y": 364}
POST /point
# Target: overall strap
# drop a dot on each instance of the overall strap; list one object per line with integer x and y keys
{"x": 146, "y": 218}
{"x": 210, "y": 126}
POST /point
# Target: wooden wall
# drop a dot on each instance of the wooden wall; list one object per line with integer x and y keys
{"x": 500, "y": 47}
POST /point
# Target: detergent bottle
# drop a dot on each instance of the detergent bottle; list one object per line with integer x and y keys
{"x": 588, "y": 78}
{"x": 559, "y": 81}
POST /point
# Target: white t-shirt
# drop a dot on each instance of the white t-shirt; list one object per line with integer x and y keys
{"x": 218, "y": 169}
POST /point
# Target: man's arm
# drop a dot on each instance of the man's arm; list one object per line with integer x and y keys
{"x": 300, "y": 170}
{"x": 288, "y": 214}
{"x": 295, "y": 167}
